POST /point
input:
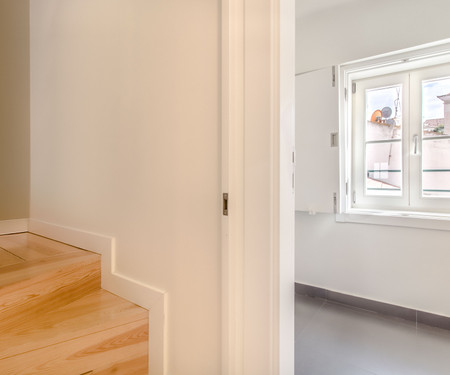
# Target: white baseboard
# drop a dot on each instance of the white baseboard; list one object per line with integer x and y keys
{"x": 139, "y": 293}
{"x": 13, "y": 226}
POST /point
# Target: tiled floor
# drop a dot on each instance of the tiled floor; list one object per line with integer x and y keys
{"x": 332, "y": 339}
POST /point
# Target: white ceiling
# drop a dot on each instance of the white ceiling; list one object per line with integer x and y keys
{"x": 306, "y": 7}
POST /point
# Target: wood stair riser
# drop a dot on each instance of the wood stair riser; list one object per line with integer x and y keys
{"x": 43, "y": 293}
{"x": 104, "y": 352}
{"x": 96, "y": 312}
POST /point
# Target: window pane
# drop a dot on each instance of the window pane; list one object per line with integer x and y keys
{"x": 436, "y": 167}
{"x": 435, "y": 142}
{"x": 436, "y": 107}
{"x": 383, "y": 141}
{"x": 383, "y": 113}
{"x": 384, "y": 168}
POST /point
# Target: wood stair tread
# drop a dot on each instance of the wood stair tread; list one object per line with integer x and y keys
{"x": 26, "y": 270}
{"x": 30, "y": 246}
{"x": 97, "y": 312}
{"x": 7, "y": 258}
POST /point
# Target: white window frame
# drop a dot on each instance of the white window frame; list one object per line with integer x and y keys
{"x": 401, "y": 61}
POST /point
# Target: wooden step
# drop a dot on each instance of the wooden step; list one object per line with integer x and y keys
{"x": 55, "y": 319}
{"x": 27, "y": 246}
{"x": 98, "y": 332}
{"x": 38, "y": 286}
{"x": 6, "y": 258}
{"x": 119, "y": 350}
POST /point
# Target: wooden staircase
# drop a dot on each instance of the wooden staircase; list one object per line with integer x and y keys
{"x": 55, "y": 319}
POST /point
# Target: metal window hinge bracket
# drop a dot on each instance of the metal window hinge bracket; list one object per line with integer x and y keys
{"x": 353, "y": 87}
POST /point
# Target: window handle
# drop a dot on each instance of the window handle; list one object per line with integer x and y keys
{"x": 416, "y": 143}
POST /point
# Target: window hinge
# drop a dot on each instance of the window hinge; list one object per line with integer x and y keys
{"x": 334, "y": 139}
{"x": 335, "y": 203}
{"x": 354, "y": 197}
{"x": 353, "y": 87}
{"x": 346, "y": 188}
{"x": 345, "y": 94}
{"x": 333, "y": 76}
{"x": 225, "y": 204}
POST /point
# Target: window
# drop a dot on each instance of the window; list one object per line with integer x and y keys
{"x": 396, "y": 121}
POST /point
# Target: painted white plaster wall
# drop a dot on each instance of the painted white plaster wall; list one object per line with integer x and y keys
{"x": 403, "y": 266}
{"x": 14, "y": 109}
{"x": 363, "y": 28}
{"x": 125, "y": 142}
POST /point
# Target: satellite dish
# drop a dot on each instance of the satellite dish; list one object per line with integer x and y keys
{"x": 386, "y": 112}
{"x": 376, "y": 116}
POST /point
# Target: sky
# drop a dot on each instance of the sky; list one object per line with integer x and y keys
{"x": 432, "y": 106}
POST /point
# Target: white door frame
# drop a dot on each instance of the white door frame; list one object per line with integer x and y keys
{"x": 257, "y": 144}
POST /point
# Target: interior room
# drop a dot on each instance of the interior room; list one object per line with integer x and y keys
{"x": 114, "y": 120}
{"x": 357, "y": 280}
{"x": 116, "y": 148}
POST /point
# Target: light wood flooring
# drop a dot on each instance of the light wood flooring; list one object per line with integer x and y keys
{"x": 56, "y": 319}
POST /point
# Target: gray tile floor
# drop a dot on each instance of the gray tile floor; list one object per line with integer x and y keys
{"x": 332, "y": 339}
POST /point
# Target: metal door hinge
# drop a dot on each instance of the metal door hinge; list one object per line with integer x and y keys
{"x": 333, "y": 76}
{"x": 334, "y": 139}
{"x": 225, "y": 204}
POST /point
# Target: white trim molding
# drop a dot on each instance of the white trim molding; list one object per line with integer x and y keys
{"x": 13, "y": 226}
{"x": 257, "y": 145}
{"x": 146, "y": 296}
{"x": 233, "y": 184}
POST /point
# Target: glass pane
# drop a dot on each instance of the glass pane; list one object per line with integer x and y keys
{"x": 436, "y": 107}
{"x": 436, "y": 167}
{"x": 435, "y": 144}
{"x": 383, "y": 113}
{"x": 384, "y": 168}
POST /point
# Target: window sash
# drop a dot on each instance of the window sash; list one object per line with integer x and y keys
{"x": 410, "y": 197}
{"x": 418, "y": 200}
{"x": 364, "y": 196}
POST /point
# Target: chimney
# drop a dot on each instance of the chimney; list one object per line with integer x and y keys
{"x": 446, "y": 100}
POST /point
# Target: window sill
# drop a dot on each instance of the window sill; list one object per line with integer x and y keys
{"x": 396, "y": 218}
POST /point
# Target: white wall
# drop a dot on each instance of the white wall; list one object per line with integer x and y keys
{"x": 407, "y": 267}
{"x": 14, "y": 109}
{"x": 125, "y": 142}
{"x": 403, "y": 266}
{"x": 364, "y": 28}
